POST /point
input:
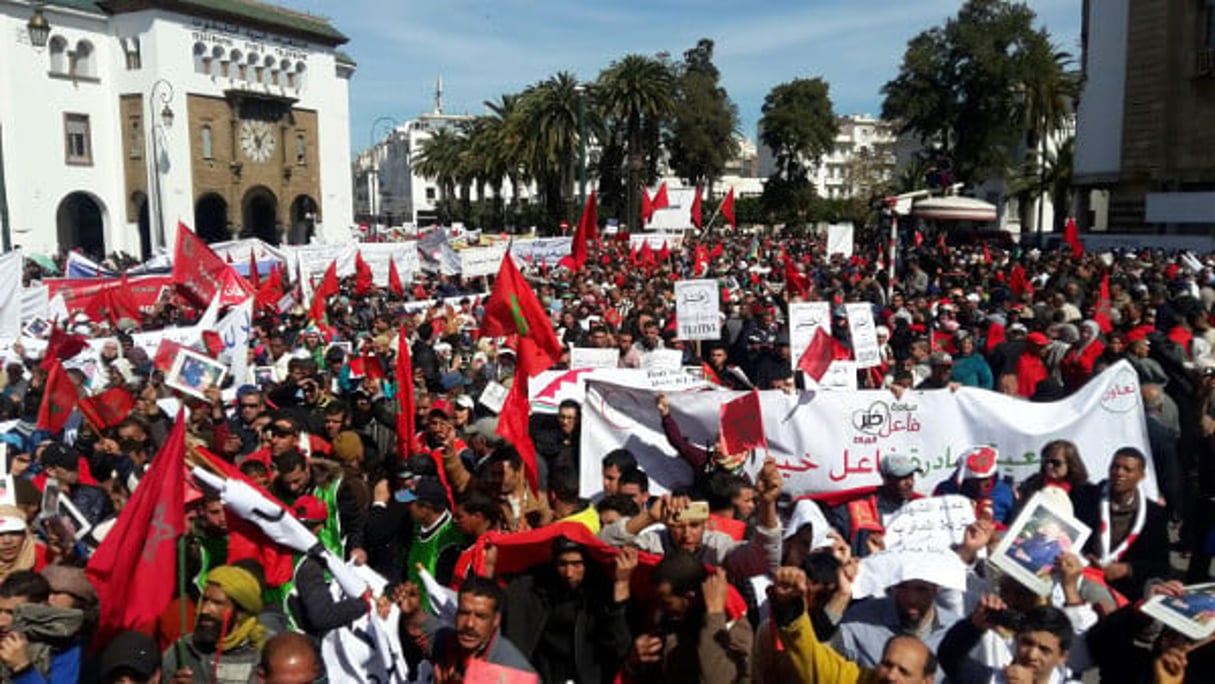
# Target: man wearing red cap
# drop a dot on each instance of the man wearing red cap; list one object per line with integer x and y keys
{"x": 310, "y": 604}
{"x": 1031, "y": 369}
{"x": 977, "y": 478}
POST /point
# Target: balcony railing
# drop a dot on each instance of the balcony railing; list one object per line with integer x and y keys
{"x": 1204, "y": 63}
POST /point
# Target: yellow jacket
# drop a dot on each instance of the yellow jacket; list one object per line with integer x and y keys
{"x": 816, "y": 662}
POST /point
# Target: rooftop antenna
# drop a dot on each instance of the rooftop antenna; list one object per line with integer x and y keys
{"x": 439, "y": 95}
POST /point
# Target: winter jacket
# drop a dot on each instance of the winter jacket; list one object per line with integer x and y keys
{"x": 312, "y": 605}
{"x": 600, "y": 638}
{"x": 54, "y": 649}
{"x": 972, "y": 371}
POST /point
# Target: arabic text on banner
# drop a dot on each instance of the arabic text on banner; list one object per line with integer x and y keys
{"x": 697, "y": 304}
{"x": 833, "y": 441}
{"x": 864, "y": 335}
{"x": 481, "y": 261}
{"x": 804, "y": 319}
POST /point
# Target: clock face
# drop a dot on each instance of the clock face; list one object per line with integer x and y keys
{"x": 257, "y": 140}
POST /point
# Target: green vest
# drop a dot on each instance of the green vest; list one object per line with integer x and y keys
{"x": 331, "y": 533}
{"x": 425, "y": 551}
{"x": 213, "y": 552}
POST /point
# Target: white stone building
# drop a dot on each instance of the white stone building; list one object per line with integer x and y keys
{"x": 863, "y": 155}
{"x": 229, "y": 115}
{"x": 387, "y": 188}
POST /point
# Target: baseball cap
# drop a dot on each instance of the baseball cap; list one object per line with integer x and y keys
{"x": 11, "y": 520}
{"x": 465, "y": 402}
{"x": 940, "y": 359}
{"x": 133, "y": 653}
{"x": 1037, "y": 338}
{"x": 977, "y": 463}
{"x": 899, "y": 465}
{"x": 308, "y": 508}
{"x": 430, "y": 491}
{"x": 440, "y": 407}
{"x": 487, "y": 428}
{"x": 452, "y": 380}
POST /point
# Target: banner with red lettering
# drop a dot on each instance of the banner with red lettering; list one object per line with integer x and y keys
{"x": 833, "y": 441}
{"x": 84, "y": 295}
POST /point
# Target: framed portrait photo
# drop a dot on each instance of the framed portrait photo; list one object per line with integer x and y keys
{"x": 1192, "y": 613}
{"x": 192, "y": 373}
{"x": 1040, "y": 534}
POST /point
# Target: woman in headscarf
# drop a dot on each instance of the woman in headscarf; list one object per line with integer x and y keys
{"x": 18, "y": 550}
{"x": 1077, "y": 365}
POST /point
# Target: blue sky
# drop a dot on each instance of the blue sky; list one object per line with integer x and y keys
{"x": 483, "y": 48}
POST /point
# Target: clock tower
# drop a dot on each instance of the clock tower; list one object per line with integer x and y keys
{"x": 255, "y": 166}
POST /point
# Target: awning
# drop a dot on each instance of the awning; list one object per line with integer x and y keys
{"x": 954, "y": 209}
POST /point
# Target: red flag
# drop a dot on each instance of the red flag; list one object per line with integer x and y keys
{"x": 513, "y": 420}
{"x": 647, "y": 207}
{"x": 394, "y": 279}
{"x": 270, "y": 291}
{"x": 796, "y": 282}
{"x": 166, "y": 351}
{"x": 986, "y": 254}
{"x": 363, "y": 280}
{"x": 1017, "y": 281}
{"x": 255, "y": 278}
{"x": 62, "y": 346}
{"x": 818, "y": 355}
{"x": 697, "y": 218}
{"x": 661, "y": 201}
{"x": 202, "y": 275}
{"x": 108, "y": 408}
{"x": 742, "y": 424}
{"x": 327, "y": 288}
{"x": 1071, "y": 235}
{"x": 709, "y": 373}
{"x": 919, "y": 238}
{"x": 213, "y": 342}
{"x": 513, "y": 309}
{"x": 59, "y": 397}
{"x": 134, "y": 569}
{"x": 664, "y": 254}
{"x": 245, "y": 539}
{"x": 727, "y": 208}
{"x": 588, "y": 229}
{"x": 646, "y": 256}
{"x": 717, "y": 250}
{"x": 941, "y": 243}
{"x": 405, "y": 404}
{"x": 1102, "y": 314}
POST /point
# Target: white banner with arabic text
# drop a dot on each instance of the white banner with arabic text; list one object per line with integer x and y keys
{"x": 833, "y": 441}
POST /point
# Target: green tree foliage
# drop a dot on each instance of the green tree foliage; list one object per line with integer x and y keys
{"x": 798, "y": 124}
{"x": 977, "y": 85}
{"x": 701, "y": 139}
{"x": 636, "y": 94}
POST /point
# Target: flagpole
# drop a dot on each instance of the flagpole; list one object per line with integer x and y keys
{"x": 179, "y": 646}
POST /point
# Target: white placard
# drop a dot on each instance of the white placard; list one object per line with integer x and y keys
{"x": 481, "y": 261}
{"x": 840, "y": 377}
{"x": 804, "y": 319}
{"x": 656, "y": 240}
{"x": 839, "y": 239}
{"x": 590, "y": 357}
{"x": 662, "y": 360}
{"x": 934, "y": 523}
{"x": 697, "y": 309}
{"x": 864, "y": 335}
{"x": 493, "y": 396}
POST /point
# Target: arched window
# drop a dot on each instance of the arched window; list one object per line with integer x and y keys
{"x": 82, "y": 60}
{"x": 300, "y": 67}
{"x": 201, "y": 63}
{"x": 235, "y": 58}
{"x": 59, "y": 55}
{"x": 206, "y": 144}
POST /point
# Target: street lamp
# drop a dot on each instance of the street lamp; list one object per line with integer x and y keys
{"x": 373, "y": 178}
{"x": 38, "y": 27}
{"x": 581, "y": 90}
{"x": 166, "y": 122}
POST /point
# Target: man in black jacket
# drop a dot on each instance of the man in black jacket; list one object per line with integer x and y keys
{"x": 1130, "y": 533}
{"x": 569, "y": 619}
{"x": 63, "y": 463}
{"x": 311, "y": 604}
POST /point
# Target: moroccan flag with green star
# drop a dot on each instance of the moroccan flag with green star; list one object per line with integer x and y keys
{"x": 513, "y": 309}
{"x": 59, "y": 397}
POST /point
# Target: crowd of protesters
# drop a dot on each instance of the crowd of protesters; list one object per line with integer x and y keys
{"x": 631, "y": 587}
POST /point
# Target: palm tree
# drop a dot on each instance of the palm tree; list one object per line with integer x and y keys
{"x": 546, "y": 129}
{"x": 640, "y": 92}
{"x": 1049, "y": 90}
{"x": 438, "y": 158}
{"x": 501, "y": 125}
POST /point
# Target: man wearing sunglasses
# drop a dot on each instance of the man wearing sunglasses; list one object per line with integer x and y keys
{"x": 241, "y": 432}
